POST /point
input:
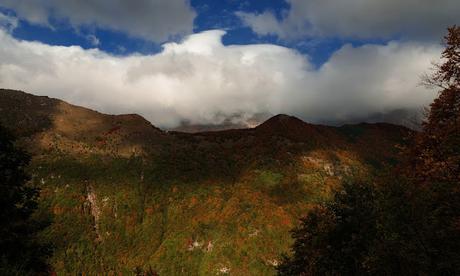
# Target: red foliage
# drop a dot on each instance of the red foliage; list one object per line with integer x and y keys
{"x": 435, "y": 155}
{"x": 113, "y": 129}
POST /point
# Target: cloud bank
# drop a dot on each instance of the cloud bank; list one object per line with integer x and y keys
{"x": 155, "y": 20}
{"x": 415, "y": 19}
{"x": 203, "y": 81}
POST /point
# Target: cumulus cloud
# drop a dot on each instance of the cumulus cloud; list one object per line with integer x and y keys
{"x": 155, "y": 20}
{"x": 203, "y": 81}
{"x": 416, "y": 19}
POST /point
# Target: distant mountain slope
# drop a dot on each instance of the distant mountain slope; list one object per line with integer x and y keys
{"x": 127, "y": 198}
{"x": 47, "y": 123}
{"x": 52, "y": 123}
{"x": 284, "y": 138}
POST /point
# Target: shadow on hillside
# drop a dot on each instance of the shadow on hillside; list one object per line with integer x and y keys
{"x": 25, "y": 115}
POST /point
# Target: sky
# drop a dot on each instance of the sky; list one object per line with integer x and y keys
{"x": 205, "y": 61}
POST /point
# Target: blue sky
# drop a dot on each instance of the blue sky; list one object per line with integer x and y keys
{"x": 204, "y": 61}
{"x": 210, "y": 15}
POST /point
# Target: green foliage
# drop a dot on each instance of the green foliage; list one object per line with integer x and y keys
{"x": 385, "y": 228}
{"x": 336, "y": 238}
{"x": 20, "y": 253}
{"x": 147, "y": 223}
{"x": 269, "y": 179}
{"x": 182, "y": 204}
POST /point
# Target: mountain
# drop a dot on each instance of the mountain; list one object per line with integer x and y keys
{"x": 127, "y": 197}
{"x": 51, "y": 123}
{"x": 196, "y": 128}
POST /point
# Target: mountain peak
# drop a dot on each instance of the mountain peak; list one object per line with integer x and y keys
{"x": 288, "y": 126}
{"x": 282, "y": 121}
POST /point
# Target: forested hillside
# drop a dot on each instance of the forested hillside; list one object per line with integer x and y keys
{"x": 125, "y": 196}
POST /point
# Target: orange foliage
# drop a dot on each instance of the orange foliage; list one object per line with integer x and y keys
{"x": 436, "y": 154}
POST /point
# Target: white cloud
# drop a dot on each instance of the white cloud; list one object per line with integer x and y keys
{"x": 416, "y": 19}
{"x": 155, "y": 20}
{"x": 8, "y": 23}
{"x": 263, "y": 24}
{"x": 203, "y": 81}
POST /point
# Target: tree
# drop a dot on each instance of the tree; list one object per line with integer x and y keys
{"x": 406, "y": 223}
{"x": 367, "y": 229}
{"x": 436, "y": 154}
{"x": 433, "y": 164}
{"x": 447, "y": 74}
{"x": 19, "y": 251}
{"x": 336, "y": 238}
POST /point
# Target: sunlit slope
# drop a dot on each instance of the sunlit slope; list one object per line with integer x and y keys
{"x": 124, "y": 196}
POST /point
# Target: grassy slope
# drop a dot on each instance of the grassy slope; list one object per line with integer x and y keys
{"x": 182, "y": 204}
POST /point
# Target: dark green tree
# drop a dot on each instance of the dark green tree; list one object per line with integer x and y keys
{"x": 368, "y": 228}
{"x": 20, "y": 253}
{"x": 336, "y": 238}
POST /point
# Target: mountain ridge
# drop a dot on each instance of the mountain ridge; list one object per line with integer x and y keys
{"x": 267, "y": 123}
{"x": 127, "y": 196}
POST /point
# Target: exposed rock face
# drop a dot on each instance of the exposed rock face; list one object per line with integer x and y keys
{"x": 94, "y": 209}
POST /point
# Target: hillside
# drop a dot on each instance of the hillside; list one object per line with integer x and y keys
{"x": 127, "y": 197}
{"x": 47, "y": 124}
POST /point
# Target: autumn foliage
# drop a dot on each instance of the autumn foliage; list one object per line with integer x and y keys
{"x": 436, "y": 154}
{"x": 411, "y": 215}
{"x": 434, "y": 165}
